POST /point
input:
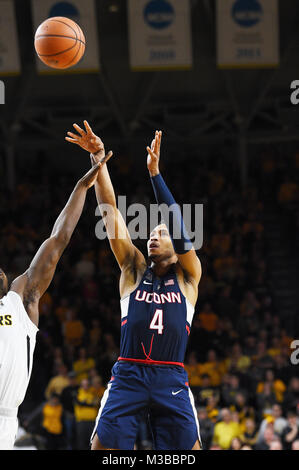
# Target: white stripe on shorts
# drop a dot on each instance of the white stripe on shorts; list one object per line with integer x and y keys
{"x": 103, "y": 403}
{"x": 195, "y": 414}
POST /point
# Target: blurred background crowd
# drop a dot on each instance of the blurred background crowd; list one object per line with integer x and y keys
{"x": 245, "y": 386}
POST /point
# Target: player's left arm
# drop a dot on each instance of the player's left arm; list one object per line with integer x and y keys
{"x": 32, "y": 284}
{"x": 183, "y": 247}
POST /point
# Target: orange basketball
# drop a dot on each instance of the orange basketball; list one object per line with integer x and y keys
{"x": 59, "y": 42}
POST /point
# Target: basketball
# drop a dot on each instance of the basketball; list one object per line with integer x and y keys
{"x": 59, "y": 42}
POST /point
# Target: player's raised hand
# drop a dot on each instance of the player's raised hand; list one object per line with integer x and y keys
{"x": 87, "y": 140}
{"x": 153, "y": 154}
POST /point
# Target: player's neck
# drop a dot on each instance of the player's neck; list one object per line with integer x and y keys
{"x": 161, "y": 268}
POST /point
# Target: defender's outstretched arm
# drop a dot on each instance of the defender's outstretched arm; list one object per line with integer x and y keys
{"x": 34, "y": 282}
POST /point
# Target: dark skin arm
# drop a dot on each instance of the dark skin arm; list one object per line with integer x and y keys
{"x": 34, "y": 282}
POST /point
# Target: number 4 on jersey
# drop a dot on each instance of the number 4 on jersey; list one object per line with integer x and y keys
{"x": 157, "y": 321}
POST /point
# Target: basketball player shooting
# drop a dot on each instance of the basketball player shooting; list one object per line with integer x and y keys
{"x": 19, "y": 314}
{"x": 157, "y": 307}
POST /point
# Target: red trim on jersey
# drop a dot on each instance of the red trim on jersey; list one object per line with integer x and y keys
{"x": 124, "y": 322}
{"x": 188, "y": 329}
{"x": 187, "y": 384}
{"x": 151, "y": 361}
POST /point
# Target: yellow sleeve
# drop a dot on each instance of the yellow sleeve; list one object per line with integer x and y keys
{"x": 260, "y": 388}
{"x": 49, "y": 389}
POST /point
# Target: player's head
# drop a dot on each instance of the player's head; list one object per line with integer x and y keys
{"x": 3, "y": 284}
{"x": 159, "y": 245}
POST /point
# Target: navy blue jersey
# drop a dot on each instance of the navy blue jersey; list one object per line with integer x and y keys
{"x": 155, "y": 321}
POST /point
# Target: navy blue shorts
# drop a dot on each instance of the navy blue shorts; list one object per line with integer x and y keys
{"x": 161, "y": 393}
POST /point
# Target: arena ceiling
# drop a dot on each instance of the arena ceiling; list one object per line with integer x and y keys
{"x": 205, "y": 104}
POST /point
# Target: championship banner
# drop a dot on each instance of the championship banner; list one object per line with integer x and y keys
{"x": 248, "y": 33}
{"x": 9, "y": 47}
{"x": 82, "y": 12}
{"x": 160, "y": 34}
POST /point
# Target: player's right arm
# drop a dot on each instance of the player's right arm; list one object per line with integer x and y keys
{"x": 129, "y": 258}
{"x": 121, "y": 244}
{"x": 34, "y": 282}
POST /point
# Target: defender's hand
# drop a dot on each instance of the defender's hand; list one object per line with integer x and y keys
{"x": 88, "y": 180}
{"x": 153, "y": 156}
{"x": 87, "y": 140}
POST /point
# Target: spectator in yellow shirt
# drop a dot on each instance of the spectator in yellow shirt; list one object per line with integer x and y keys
{"x": 212, "y": 408}
{"x": 277, "y": 386}
{"x": 52, "y": 423}
{"x": 213, "y": 368}
{"x": 205, "y": 391}
{"x": 208, "y": 319}
{"x": 225, "y": 430}
{"x": 83, "y": 365}
{"x": 97, "y": 387}
{"x": 58, "y": 382}
{"x": 86, "y": 410}
{"x": 237, "y": 360}
{"x": 275, "y": 347}
{"x": 250, "y": 433}
{"x": 73, "y": 329}
{"x": 193, "y": 370}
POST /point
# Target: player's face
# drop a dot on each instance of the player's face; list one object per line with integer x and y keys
{"x": 3, "y": 283}
{"x": 159, "y": 245}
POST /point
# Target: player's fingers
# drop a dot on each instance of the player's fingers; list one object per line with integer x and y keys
{"x": 74, "y": 136}
{"x": 160, "y": 137}
{"x": 73, "y": 141}
{"x": 88, "y": 128}
{"x": 157, "y": 144}
{"x": 151, "y": 153}
{"x": 78, "y": 129}
{"x": 107, "y": 157}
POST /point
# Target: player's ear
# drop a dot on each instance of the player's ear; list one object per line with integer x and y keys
{"x": 3, "y": 283}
